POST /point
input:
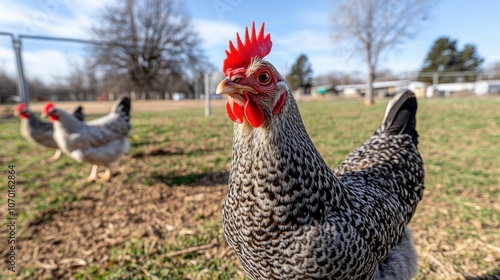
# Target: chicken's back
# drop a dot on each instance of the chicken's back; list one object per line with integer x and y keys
{"x": 37, "y": 131}
{"x": 383, "y": 180}
{"x": 385, "y": 177}
{"x": 101, "y": 141}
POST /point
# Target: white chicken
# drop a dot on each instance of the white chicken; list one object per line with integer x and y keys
{"x": 100, "y": 142}
{"x": 37, "y": 131}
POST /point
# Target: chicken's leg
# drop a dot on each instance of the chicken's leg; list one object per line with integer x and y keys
{"x": 93, "y": 174}
{"x": 55, "y": 157}
{"x": 107, "y": 175}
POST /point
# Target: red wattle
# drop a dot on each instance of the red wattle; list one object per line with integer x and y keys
{"x": 235, "y": 113}
{"x": 254, "y": 113}
{"x": 53, "y": 118}
{"x": 280, "y": 103}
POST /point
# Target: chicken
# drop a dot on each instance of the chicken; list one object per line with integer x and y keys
{"x": 36, "y": 131}
{"x": 286, "y": 214}
{"x": 99, "y": 142}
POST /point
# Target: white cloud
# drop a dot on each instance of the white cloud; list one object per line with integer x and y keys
{"x": 315, "y": 44}
{"x": 215, "y": 33}
{"x": 49, "y": 65}
{"x": 215, "y": 36}
{"x": 51, "y": 62}
{"x": 58, "y": 18}
{"x": 86, "y": 7}
{"x": 7, "y": 60}
{"x": 13, "y": 16}
{"x": 315, "y": 17}
{"x": 12, "y": 10}
{"x": 307, "y": 40}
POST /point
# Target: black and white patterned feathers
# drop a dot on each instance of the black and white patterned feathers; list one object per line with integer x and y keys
{"x": 287, "y": 215}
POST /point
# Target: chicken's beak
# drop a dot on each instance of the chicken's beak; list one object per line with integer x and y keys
{"x": 228, "y": 87}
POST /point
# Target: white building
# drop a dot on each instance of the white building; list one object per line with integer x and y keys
{"x": 447, "y": 89}
{"x": 383, "y": 88}
{"x": 487, "y": 87}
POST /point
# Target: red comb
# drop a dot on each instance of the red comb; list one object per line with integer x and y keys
{"x": 254, "y": 46}
{"x": 47, "y": 108}
{"x": 20, "y": 107}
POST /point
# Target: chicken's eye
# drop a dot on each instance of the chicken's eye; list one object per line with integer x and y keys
{"x": 264, "y": 78}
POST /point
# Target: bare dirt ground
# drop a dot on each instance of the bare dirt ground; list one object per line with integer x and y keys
{"x": 83, "y": 233}
{"x": 85, "y": 230}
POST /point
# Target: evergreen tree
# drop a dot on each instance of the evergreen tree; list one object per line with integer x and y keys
{"x": 300, "y": 75}
{"x": 470, "y": 59}
{"x": 445, "y": 57}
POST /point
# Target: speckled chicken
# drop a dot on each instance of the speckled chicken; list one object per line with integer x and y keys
{"x": 100, "y": 142}
{"x": 37, "y": 131}
{"x": 287, "y": 215}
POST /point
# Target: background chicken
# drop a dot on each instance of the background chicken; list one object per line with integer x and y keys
{"x": 99, "y": 142}
{"x": 287, "y": 215}
{"x": 37, "y": 131}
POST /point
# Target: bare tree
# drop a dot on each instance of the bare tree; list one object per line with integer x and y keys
{"x": 8, "y": 87}
{"x": 82, "y": 82}
{"x": 375, "y": 26}
{"x": 150, "y": 39}
{"x": 339, "y": 78}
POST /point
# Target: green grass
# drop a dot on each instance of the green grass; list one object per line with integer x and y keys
{"x": 179, "y": 149}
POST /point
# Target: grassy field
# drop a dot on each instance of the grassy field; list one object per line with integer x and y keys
{"x": 160, "y": 215}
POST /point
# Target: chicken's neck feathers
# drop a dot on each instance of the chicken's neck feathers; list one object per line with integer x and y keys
{"x": 33, "y": 126}
{"x": 34, "y": 121}
{"x": 68, "y": 123}
{"x": 277, "y": 166}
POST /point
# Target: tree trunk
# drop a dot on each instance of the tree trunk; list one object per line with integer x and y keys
{"x": 369, "y": 96}
{"x": 369, "y": 100}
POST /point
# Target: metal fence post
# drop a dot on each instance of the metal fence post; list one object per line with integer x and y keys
{"x": 22, "y": 89}
{"x": 435, "y": 82}
{"x": 207, "y": 95}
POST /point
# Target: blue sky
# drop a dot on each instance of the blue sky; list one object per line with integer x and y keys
{"x": 296, "y": 27}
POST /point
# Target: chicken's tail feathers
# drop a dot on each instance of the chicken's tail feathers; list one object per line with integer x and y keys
{"x": 77, "y": 112}
{"x": 122, "y": 106}
{"x": 400, "y": 116}
{"x": 401, "y": 262}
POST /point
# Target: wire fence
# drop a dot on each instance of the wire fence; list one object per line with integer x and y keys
{"x": 58, "y": 69}
{"x": 61, "y": 69}
{"x": 8, "y": 70}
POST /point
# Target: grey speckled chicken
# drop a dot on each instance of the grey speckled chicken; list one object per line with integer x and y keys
{"x": 37, "y": 131}
{"x": 287, "y": 215}
{"x": 100, "y": 142}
